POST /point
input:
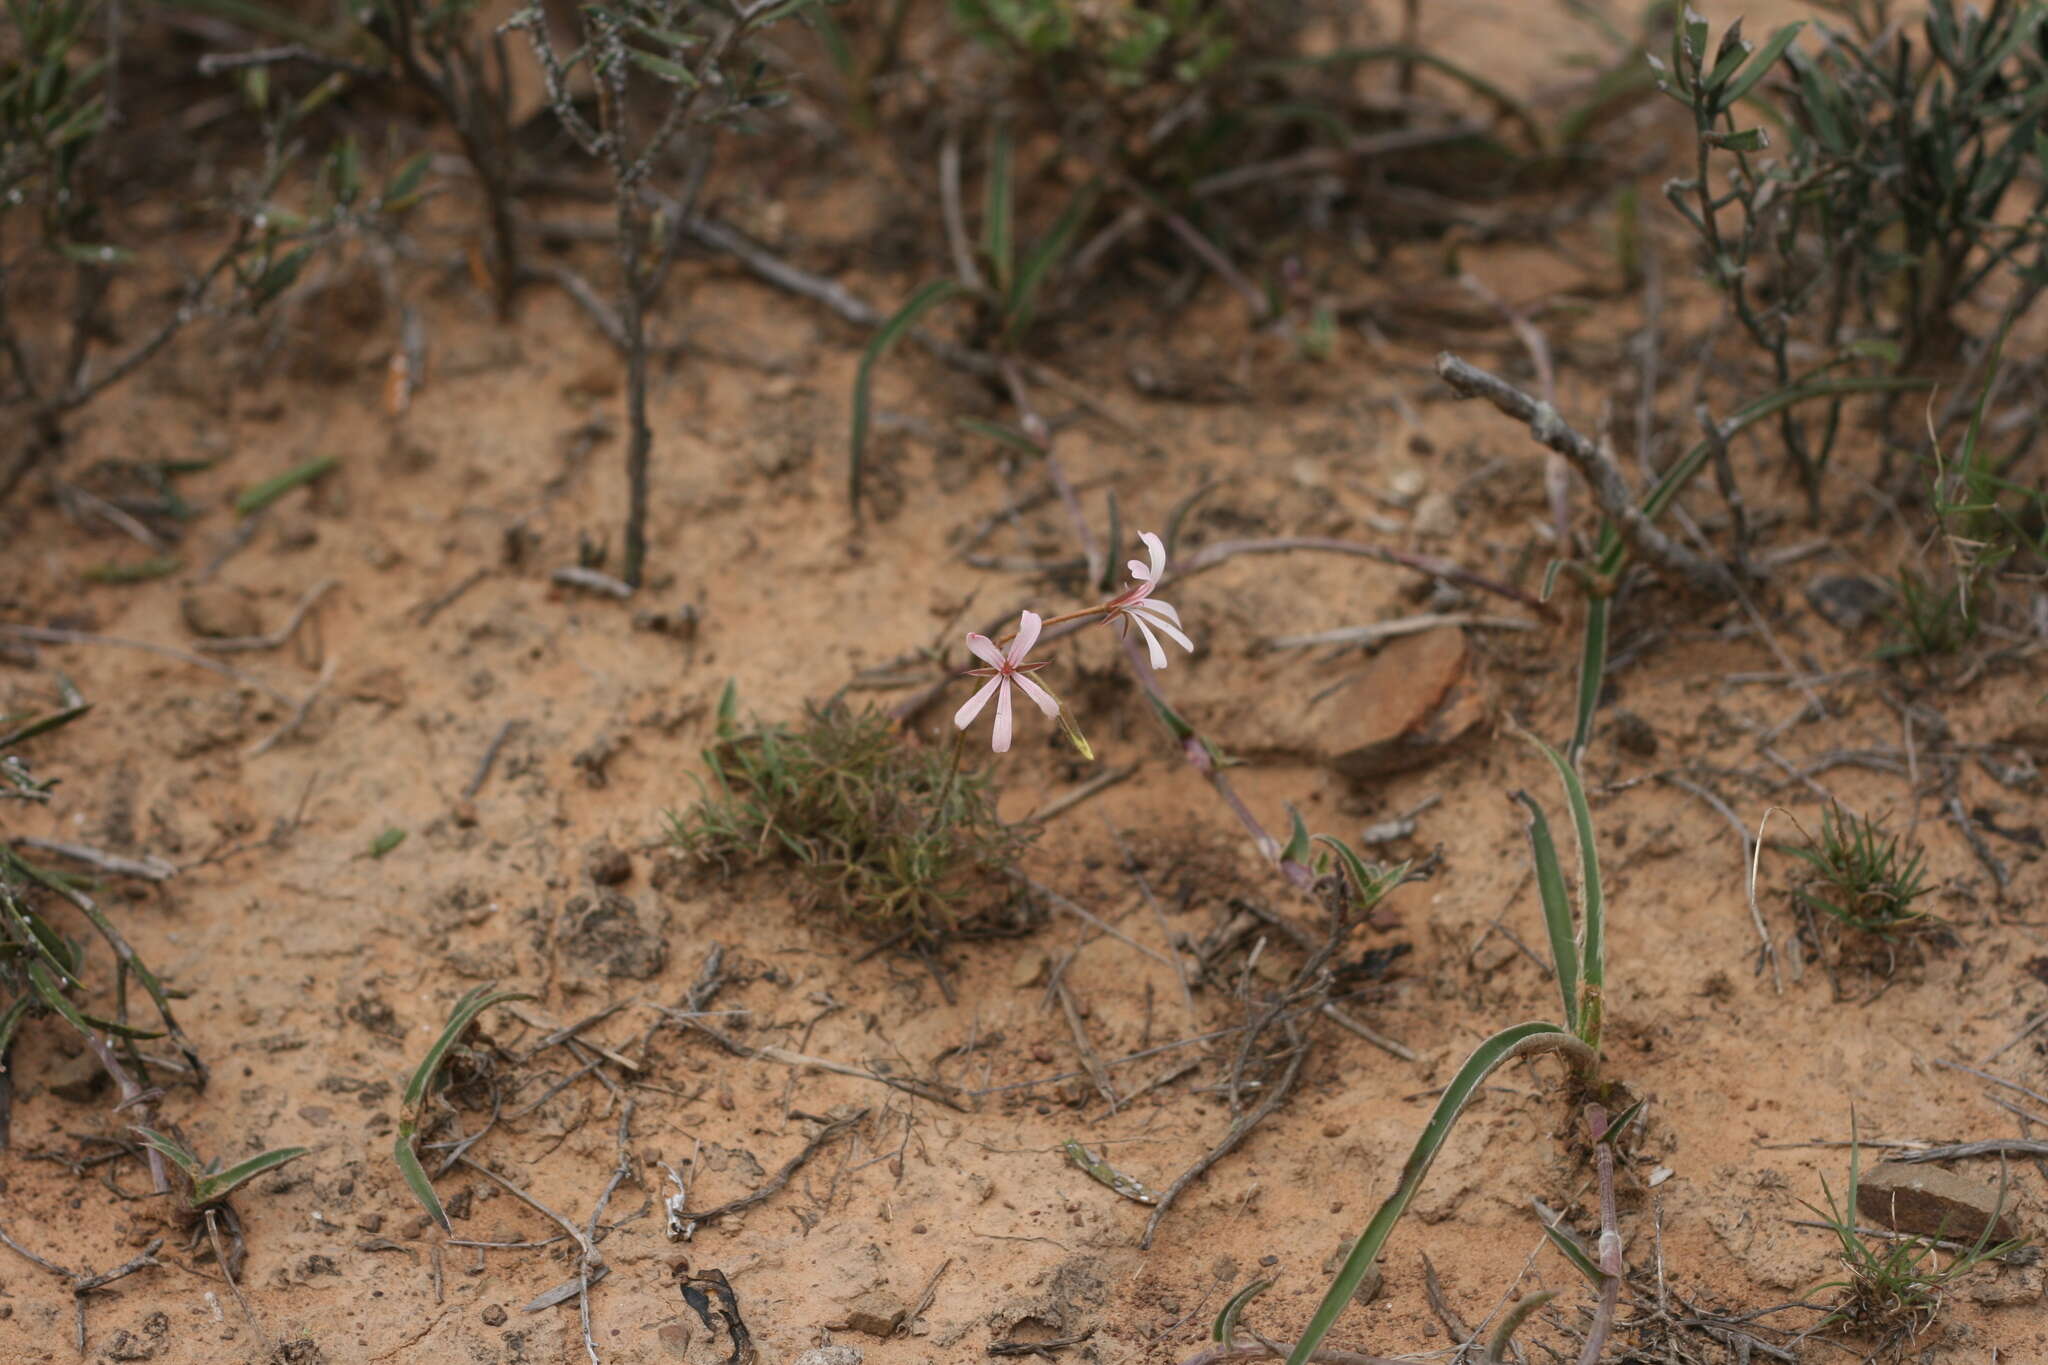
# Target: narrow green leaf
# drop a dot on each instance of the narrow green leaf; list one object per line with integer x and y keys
{"x": 42, "y": 725}
{"x": 142, "y": 571}
{"x": 1298, "y": 849}
{"x": 1573, "y": 1252}
{"x": 94, "y": 253}
{"x": 174, "y": 1151}
{"x": 1496, "y": 1052}
{"x": 405, "y": 180}
{"x": 1113, "y": 546}
{"x": 672, "y": 73}
{"x": 999, "y": 432}
{"x": 1760, "y": 65}
{"x": 1224, "y": 1329}
{"x": 386, "y": 841}
{"x": 1500, "y": 1349}
{"x": 221, "y": 1184}
{"x": 1592, "y": 673}
{"x": 472, "y": 1004}
{"x": 255, "y": 499}
{"x": 1023, "y": 295}
{"x": 1592, "y": 901}
{"x": 416, "y": 1177}
{"x": 998, "y": 222}
{"x": 281, "y": 274}
{"x": 885, "y": 338}
{"x": 1557, "y": 909}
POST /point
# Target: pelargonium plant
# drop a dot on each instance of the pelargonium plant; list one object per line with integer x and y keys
{"x": 1009, "y": 670}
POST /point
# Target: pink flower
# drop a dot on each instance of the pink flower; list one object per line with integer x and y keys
{"x": 1006, "y": 669}
{"x": 1136, "y": 604}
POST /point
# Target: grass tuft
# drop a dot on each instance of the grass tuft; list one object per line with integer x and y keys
{"x": 880, "y": 830}
{"x": 1864, "y": 877}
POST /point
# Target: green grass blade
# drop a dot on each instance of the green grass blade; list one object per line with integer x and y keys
{"x": 42, "y": 725}
{"x": 998, "y": 216}
{"x": 221, "y": 1184}
{"x": 1760, "y": 65}
{"x": 259, "y": 496}
{"x": 10, "y": 1020}
{"x": 1496, "y": 1052}
{"x": 1557, "y": 910}
{"x": 1592, "y": 673}
{"x": 1022, "y": 296}
{"x": 1592, "y": 901}
{"x": 884, "y": 339}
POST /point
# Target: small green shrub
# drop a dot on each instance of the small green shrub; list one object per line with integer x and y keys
{"x": 1863, "y": 877}
{"x": 1933, "y": 617}
{"x": 880, "y": 830}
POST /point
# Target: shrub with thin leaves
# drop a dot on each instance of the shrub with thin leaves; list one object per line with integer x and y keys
{"x": 1854, "y": 195}
{"x": 877, "y": 829}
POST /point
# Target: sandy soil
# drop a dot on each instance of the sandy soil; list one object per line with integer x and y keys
{"x": 316, "y": 974}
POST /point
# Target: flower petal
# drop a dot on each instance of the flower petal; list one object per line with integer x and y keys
{"x": 1045, "y": 699}
{"x": 1157, "y": 548}
{"x": 1027, "y": 635}
{"x": 1172, "y": 631}
{"x": 1000, "y": 742}
{"x": 972, "y": 707}
{"x": 1151, "y": 641}
{"x": 984, "y": 649}
{"x": 1160, "y": 608}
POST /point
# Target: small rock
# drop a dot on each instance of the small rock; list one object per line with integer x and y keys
{"x": 296, "y": 535}
{"x": 830, "y": 1355}
{"x": 1436, "y": 516}
{"x": 127, "y": 1346}
{"x": 675, "y": 1339}
{"x": 1414, "y": 702}
{"x": 1848, "y": 601}
{"x": 2008, "y": 1285}
{"x": 494, "y": 1316}
{"x": 606, "y": 935}
{"x": 1634, "y": 735}
{"x": 877, "y": 1313}
{"x": 1029, "y": 970}
{"x": 607, "y": 864}
{"x": 1911, "y": 1197}
{"x": 76, "y": 1079}
{"x": 217, "y": 613}
{"x": 385, "y": 686}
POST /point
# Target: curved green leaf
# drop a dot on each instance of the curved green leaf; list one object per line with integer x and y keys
{"x": 1225, "y": 1327}
{"x": 221, "y": 1184}
{"x": 1503, "y": 1047}
{"x": 176, "y": 1151}
{"x": 1557, "y": 909}
{"x": 416, "y": 1176}
{"x": 466, "y": 1010}
{"x": 1592, "y": 901}
{"x": 1499, "y": 1350}
{"x": 885, "y": 338}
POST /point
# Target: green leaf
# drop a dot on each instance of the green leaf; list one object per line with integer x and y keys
{"x": 406, "y": 179}
{"x": 1746, "y": 140}
{"x": 1592, "y": 673}
{"x": 221, "y": 1184}
{"x": 385, "y": 842}
{"x": 42, "y": 725}
{"x": 1369, "y": 883}
{"x": 1557, "y": 909}
{"x": 1520, "y": 1041}
{"x": 472, "y": 1004}
{"x": 140, "y": 571}
{"x": 1298, "y": 848}
{"x": 885, "y": 338}
{"x": 998, "y": 215}
{"x": 416, "y": 1176}
{"x": 1573, "y": 1252}
{"x": 1760, "y": 65}
{"x": 255, "y": 499}
{"x": 281, "y": 274}
{"x": 174, "y": 1151}
{"x": 1224, "y": 1329}
{"x": 673, "y": 73}
{"x": 1500, "y": 1349}
{"x": 1023, "y": 294}
{"x": 1006, "y": 435}
{"x": 1592, "y": 902}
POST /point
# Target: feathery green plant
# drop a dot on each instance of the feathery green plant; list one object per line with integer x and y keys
{"x": 889, "y": 834}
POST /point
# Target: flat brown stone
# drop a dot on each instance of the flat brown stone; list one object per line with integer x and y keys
{"x": 1416, "y": 700}
{"x": 1909, "y": 1197}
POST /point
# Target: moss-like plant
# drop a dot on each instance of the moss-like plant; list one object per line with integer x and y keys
{"x": 880, "y": 830}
